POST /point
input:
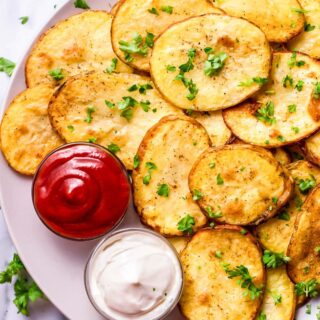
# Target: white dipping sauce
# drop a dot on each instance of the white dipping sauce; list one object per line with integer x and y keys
{"x": 134, "y": 275}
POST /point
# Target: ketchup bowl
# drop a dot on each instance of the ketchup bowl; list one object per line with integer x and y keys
{"x": 134, "y": 274}
{"x": 81, "y": 191}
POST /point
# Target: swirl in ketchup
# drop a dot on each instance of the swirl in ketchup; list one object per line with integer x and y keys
{"x": 81, "y": 191}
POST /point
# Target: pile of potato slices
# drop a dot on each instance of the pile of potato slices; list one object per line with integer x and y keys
{"x": 215, "y": 108}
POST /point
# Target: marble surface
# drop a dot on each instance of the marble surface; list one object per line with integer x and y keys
{"x": 15, "y": 37}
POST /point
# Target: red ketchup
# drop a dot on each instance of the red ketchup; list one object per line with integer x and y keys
{"x": 81, "y": 191}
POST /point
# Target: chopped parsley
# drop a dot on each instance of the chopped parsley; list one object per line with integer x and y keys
{"x": 113, "y": 66}
{"x": 186, "y": 67}
{"x": 309, "y": 27}
{"x": 307, "y": 288}
{"x": 299, "y": 85}
{"x": 298, "y": 203}
{"x": 81, "y": 4}
{"x": 243, "y": 231}
{"x": 171, "y": 68}
{"x": 299, "y": 10}
{"x": 317, "y": 250}
{"x": 266, "y": 113}
{"x": 305, "y": 185}
{"x": 214, "y": 63}
{"x": 141, "y": 87}
{"x": 90, "y": 111}
{"x": 287, "y": 81}
{"x": 167, "y": 9}
{"x": 151, "y": 167}
{"x": 92, "y": 140}
{"x": 145, "y": 105}
{"x": 109, "y": 104}
{"x": 212, "y": 165}
{"x": 24, "y": 19}
{"x": 113, "y": 148}
{"x": 262, "y": 316}
{"x": 185, "y": 224}
{"x": 284, "y": 215}
{"x": 70, "y": 128}
{"x": 163, "y": 190}
{"x": 218, "y": 254}
{"x": 292, "y": 108}
{"x": 56, "y": 74}
{"x": 281, "y": 138}
{"x": 153, "y": 10}
{"x": 136, "y": 46}
{"x": 308, "y": 308}
{"x": 150, "y": 40}
{"x": 273, "y": 259}
{"x": 292, "y": 62}
{"x": 126, "y": 106}
{"x": 277, "y": 298}
{"x": 197, "y": 195}
{"x": 213, "y": 215}
{"x": 245, "y": 280}
{"x": 219, "y": 180}
{"x": 316, "y": 92}
{"x": 7, "y": 66}
{"x": 136, "y": 161}
{"x": 250, "y": 82}
{"x": 295, "y": 129}
{"x": 275, "y": 200}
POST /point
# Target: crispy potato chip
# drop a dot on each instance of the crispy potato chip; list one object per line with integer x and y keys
{"x": 160, "y": 183}
{"x": 304, "y": 246}
{"x": 308, "y": 41}
{"x": 279, "y": 301}
{"x": 179, "y": 243}
{"x": 213, "y": 122}
{"x": 79, "y": 44}
{"x": 26, "y": 133}
{"x": 142, "y": 17}
{"x": 279, "y": 20}
{"x": 208, "y": 291}
{"x": 281, "y": 155}
{"x": 275, "y": 233}
{"x": 215, "y": 54}
{"x": 113, "y": 110}
{"x": 312, "y": 148}
{"x": 286, "y": 110}
{"x": 239, "y": 184}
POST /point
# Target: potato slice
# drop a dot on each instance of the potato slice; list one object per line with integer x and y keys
{"x": 148, "y": 16}
{"x": 279, "y": 302}
{"x": 115, "y": 8}
{"x": 275, "y": 233}
{"x": 179, "y": 243}
{"x": 79, "y": 44}
{"x": 308, "y": 41}
{"x": 213, "y": 122}
{"x": 279, "y": 20}
{"x": 70, "y": 111}
{"x": 312, "y": 148}
{"x": 172, "y": 145}
{"x": 240, "y": 183}
{"x": 286, "y": 116}
{"x": 248, "y": 56}
{"x": 304, "y": 246}
{"x": 208, "y": 292}
{"x": 26, "y": 133}
{"x": 281, "y": 155}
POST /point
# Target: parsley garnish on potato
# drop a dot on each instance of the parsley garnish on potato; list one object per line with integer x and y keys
{"x": 56, "y": 74}
{"x": 25, "y": 289}
{"x": 136, "y": 161}
{"x": 81, "y": 4}
{"x": 185, "y": 224}
{"x": 316, "y": 91}
{"x": 7, "y": 66}
{"x": 113, "y": 66}
{"x": 266, "y": 113}
{"x": 90, "y": 111}
{"x": 305, "y": 185}
{"x": 307, "y": 288}
{"x": 167, "y": 9}
{"x": 258, "y": 80}
{"x": 214, "y": 63}
{"x": 245, "y": 280}
{"x": 151, "y": 167}
{"x": 113, "y": 148}
{"x": 163, "y": 190}
{"x": 273, "y": 259}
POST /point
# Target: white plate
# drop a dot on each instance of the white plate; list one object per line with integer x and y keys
{"x": 56, "y": 264}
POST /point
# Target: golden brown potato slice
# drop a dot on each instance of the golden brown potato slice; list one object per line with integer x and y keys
{"x": 286, "y": 110}
{"x": 237, "y": 51}
{"x": 79, "y": 44}
{"x": 143, "y": 17}
{"x": 239, "y": 184}
{"x": 281, "y": 155}
{"x": 312, "y": 148}
{"x": 179, "y": 243}
{"x": 279, "y": 20}
{"x": 26, "y": 133}
{"x": 279, "y": 301}
{"x": 208, "y": 292}
{"x": 160, "y": 183}
{"x": 308, "y": 41}
{"x": 213, "y": 122}
{"x": 275, "y": 233}
{"x": 87, "y": 108}
{"x": 304, "y": 246}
